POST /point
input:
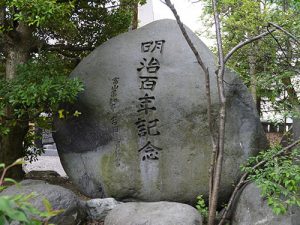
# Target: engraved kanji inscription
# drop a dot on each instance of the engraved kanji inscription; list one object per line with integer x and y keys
{"x": 150, "y": 152}
{"x": 114, "y": 96}
{"x": 152, "y": 66}
{"x": 158, "y": 45}
{"x": 114, "y": 119}
{"x": 146, "y": 104}
{"x": 146, "y": 46}
{"x": 152, "y": 46}
{"x": 148, "y": 82}
{"x": 147, "y": 127}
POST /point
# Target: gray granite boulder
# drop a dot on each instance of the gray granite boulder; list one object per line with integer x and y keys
{"x": 59, "y": 197}
{"x": 97, "y": 209}
{"x": 143, "y": 132}
{"x": 296, "y": 126}
{"x": 156, "y": 213}
{"x": 252, "y": 209}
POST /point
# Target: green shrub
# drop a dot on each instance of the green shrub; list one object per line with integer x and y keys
{"x": 35, "y": 97}
{"x": 278, "y": 178}
{"x": 18, "y": 208}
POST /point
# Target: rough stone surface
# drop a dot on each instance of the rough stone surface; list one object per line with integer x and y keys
{"x": 59, "y": 197}
{"x": 296, "y": 125}
{"x": 99, "y": 150}
{"x": 157, "y": 213}
{"x": 33, "y": 174}
{"x": 252, "y": 209}
{"x": 97, "y": 209}
{"x": 296, "y": 128}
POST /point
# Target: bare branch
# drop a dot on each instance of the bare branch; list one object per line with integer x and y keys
{"x": 68, "y": 54}
{"x": 280, "y": 47}
{"x": 285, "y": 135}
{"x": 163, "y": 2}
{"x": 243, "y": 43}
{"x": 68, "y": 48}
{"x": 286, "y": 32}
{"x": 187, "y": 38}
{"x": 2, "y": 16}
{"x": 208, "y": 94}
{"x": 10, "y": 118}
{"x": 216, "y": 176}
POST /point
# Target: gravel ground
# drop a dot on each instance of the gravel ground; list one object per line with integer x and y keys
{"x": 46, "y": 163}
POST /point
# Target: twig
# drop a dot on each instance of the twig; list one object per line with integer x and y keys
{"x": 245, "y": 176}
{"x": 187, "y": 38}
{"x": 281, "y": 49}
{"x": 34, "y": 116}
{"x": 243, "y": 43}
{"x": 73, "y": 48}
{"x": 4, "y": 172}
{"x": 285, "y": 134}
{"x": 286, "y": 32}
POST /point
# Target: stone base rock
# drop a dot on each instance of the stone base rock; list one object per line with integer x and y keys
{"x": 97, "y": 209}
{"x": 252, "y": 209}
{"x": 59, "y": 197}
{"x": 156, "y": 213}
{"x": 34, "y": 174}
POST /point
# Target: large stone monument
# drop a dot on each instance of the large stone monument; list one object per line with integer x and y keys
{"x": 143, "y": 133}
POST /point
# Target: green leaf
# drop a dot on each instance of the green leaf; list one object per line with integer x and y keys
{"x": 10, "y": 180}
{"x": 4, "y": 203}
{"x": 3, "y": 220}
{"x": 17, "y": 215}
{"x": 47, "y": 205}
{"x": 2, "y": 188}
{"x": 61, "y": 114}
{"x": 20, "y": 161}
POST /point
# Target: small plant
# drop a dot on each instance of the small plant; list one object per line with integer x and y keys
{"x": 201, "y": 207}
{"x": 278, "y": 178}
{"x": 18, "y": 208}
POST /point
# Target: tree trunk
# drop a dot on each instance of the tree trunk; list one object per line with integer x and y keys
{"x": 135, "y": 19}
{"x": 252, "y": 74}
{"x": 17, "y": 53}
{"x": 11, "y": 148}
{"x": 258, "y": 106}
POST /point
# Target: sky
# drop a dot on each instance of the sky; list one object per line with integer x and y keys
{"x": 188, "y": 11}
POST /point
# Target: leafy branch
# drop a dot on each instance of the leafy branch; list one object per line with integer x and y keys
{"x": 244, "y": 179}
{"x": 35, "y": 96}
{"x": 5, "y": 169}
